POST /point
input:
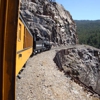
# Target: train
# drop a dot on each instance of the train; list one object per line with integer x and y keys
{"x": 28, "y": 44}
{"x": 17, "y": 44}
{"x": 41, "y": 44}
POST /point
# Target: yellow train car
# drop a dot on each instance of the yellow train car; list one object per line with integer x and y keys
{"x": 16, "y": 44}
{"x": 24, "y": 44}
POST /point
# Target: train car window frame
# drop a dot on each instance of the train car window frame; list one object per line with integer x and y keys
{"x": 19, "y": 32}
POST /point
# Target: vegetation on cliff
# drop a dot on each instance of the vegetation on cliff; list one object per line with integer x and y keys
{"x": 89, "y": 32}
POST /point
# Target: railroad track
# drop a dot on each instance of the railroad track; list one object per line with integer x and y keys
{"x": 87, "y": 88}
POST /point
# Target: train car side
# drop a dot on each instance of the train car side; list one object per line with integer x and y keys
{"x": 24, "y": 46}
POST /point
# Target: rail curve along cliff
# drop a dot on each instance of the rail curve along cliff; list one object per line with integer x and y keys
{"x": 24, "y": 44}
{"x": 28, "y": 43}
{"x": 17, "y": 44}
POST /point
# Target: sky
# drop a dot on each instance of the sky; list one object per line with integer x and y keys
{"x": 82, "y": 9}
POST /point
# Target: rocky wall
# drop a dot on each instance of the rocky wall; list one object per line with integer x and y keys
{"x": 50, "y": 20}
{"x": 82, "y": 63}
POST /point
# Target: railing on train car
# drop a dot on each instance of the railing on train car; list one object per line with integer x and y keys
{"x": 27, "y": 32}
{"x": 22, "y": 19}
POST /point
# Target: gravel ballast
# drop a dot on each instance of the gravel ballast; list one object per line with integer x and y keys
{"x": 41, "y": 80}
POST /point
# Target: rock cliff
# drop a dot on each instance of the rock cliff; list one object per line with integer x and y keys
{"x": 81, "y": 62}
{"x": 50, "y": 20}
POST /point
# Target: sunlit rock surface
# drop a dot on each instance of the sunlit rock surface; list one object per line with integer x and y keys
{"x": 50, "y": 20}
{"x": 83, "y": 63}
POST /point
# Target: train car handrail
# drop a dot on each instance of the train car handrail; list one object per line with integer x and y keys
{"x": 23, "y": 21}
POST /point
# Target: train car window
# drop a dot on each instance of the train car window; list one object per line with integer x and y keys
{"x": 37, "y": 38}
{"x": 19, "y": 33}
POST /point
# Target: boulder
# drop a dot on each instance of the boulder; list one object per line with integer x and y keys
{"x": 83, "y": 63}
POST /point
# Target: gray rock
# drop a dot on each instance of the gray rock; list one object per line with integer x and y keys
{"x": 86, "y": 64}
{"x": 51, "y": 19}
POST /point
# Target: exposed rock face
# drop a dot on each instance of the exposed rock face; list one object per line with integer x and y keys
{"x": 83, "y": 63}
{"x": 50, "y": 20}
{"x": 41, "y": 80}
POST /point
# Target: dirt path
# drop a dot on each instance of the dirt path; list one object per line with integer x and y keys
{"x": 41, "y": 80}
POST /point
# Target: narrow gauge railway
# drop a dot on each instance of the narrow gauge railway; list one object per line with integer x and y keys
{"x": 28, "y": 44}
{"x": 87, "y": 88}
{"x": 14, "y": 48}
{"x": 17, "y": 44}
